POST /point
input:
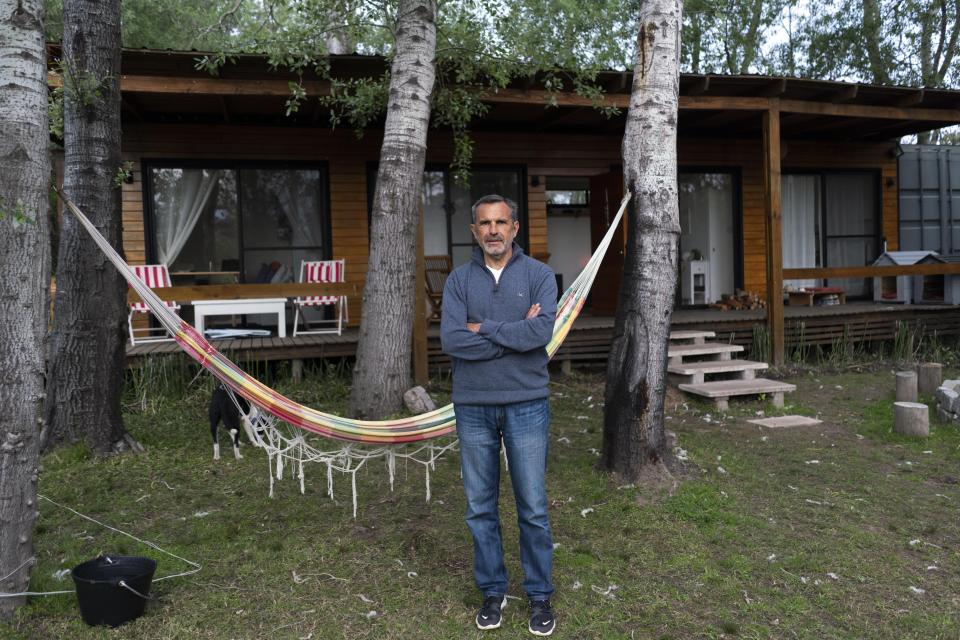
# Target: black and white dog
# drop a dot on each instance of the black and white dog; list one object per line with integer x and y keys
{"x": 222, "y": 408}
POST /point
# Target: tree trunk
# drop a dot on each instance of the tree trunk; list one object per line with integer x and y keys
{"x": 87, "y": 350}
{"x": 24, "y": 278}
{"x": 382, "y": 371}
{"x": 633, "y": 431}
{"x": 873, "y": 38}
{"x": 751, "y": 43}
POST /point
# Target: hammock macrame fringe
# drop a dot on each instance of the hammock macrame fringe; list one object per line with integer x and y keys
{"x": 271, "y": 421}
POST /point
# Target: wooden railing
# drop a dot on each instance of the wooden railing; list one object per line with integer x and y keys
{"x": 872, "y": 272}
{"x": 245, "y": 291}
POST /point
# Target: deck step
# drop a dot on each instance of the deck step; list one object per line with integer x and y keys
{"x": 709, "y": 348}
{"x": 697, "y": 336}
{"x": 696, "y": 371}
{"x": 722, "y": 390}
{"x": 715, "y": 366}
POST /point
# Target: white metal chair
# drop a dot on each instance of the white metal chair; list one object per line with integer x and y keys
{"x": 321, "y": 271}
{"x": 155, "y": 276}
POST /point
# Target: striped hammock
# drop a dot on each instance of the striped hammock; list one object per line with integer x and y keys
{"x": 434, "y": 424}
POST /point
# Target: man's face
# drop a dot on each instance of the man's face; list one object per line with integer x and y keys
{"x": 494, "y": 229}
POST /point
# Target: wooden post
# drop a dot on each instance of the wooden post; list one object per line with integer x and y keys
{"x": 930, "y": 376}
{"x": 771, "y": 183}
{"x": 906, "y": 386}
{"x": 911, "y": 418}
{"x": 421, "y": 374}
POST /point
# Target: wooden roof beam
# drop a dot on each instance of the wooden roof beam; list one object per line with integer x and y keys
{"x": 721, "y": 118}
{"x": 843, "y": 94}
{"x": 824, "y": 125}
{"x": 560, "y": 114}
{"x": 774, "y": 89}
{"x": 701, "y": 86}
{"x": 208, "y": 86}
{"x": 915, "y": 97}
{"x": 870, "y": 111}
{"x": 897, "y": 129}
{"x": 280, "y": 87}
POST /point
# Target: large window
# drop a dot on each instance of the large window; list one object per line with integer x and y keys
{"x": 447, "y": 208}
{"x": 831, "y": 220}
{"x": 247, "y": 222}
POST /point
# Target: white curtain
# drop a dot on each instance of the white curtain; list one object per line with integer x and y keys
{"x": 851, "y": 211}
{"x": 799, "y": 209}
{"x": 296, "y": 191}
{"x": 178, "y": 210}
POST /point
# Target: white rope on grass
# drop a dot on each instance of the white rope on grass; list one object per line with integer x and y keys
{"x": 152, "y": 545}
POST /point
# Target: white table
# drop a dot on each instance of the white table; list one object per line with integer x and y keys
{"x": 204, "y": 308}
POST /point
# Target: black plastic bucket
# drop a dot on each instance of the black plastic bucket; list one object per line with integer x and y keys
{"x": 113, "y": 590}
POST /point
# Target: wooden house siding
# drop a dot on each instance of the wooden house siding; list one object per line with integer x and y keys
{"x": 542, "y": 155}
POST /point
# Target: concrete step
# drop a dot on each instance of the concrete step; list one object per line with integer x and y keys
{"x": 695, "y": 371}
{"x": 697, "y": 337}
{"x": 677, "y": 352}
{"x": 722, "y": 390}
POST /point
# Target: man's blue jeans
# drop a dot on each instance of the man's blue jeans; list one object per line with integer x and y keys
{"x": 524, "y": 427}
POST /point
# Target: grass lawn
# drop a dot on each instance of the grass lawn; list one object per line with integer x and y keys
{"x": 841, "y": 530}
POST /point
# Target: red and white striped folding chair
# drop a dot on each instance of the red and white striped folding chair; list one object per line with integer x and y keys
{"x": 321, "y": 271}
{"x": 154, "y": 276}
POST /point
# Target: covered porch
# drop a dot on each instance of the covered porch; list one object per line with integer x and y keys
{"x": 589, "y": 340}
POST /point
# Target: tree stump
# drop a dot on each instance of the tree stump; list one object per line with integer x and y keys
{"x": 906, "y": 386}
{"x": 911, "y": 419}
{"x": 930, "y": 375}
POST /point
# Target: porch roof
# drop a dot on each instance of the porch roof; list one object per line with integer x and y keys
{"x": 166, "y": 86}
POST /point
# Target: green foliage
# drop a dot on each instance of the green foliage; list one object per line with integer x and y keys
{"x": 82, "y": 87}
{"x": 168, "y": 24}
{"x": 359, "y": 101}
{"x": 482, "y": 46}
{"x": 16, "y": 211}
{"x": 124, "y": 173}
{"x": 55, "y": 113}
{"x": 728, "y": 36}
{"x": 760, "y": 344}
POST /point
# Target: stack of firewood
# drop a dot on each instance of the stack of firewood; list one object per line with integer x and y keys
{"x": 740, "y": 300}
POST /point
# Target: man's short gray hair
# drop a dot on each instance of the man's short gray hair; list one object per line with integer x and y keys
{"x": 493, "y": 199}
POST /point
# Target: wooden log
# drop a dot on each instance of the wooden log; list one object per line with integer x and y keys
{"x": 906, "y": 386}
{"x": 930, "y": 374}
{"x": 911, "y": 418}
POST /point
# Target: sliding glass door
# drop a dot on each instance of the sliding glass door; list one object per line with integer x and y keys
{"x": 831, "y": 220}
{"x": 709, "y": 251}
{"x": 447, "y": 207}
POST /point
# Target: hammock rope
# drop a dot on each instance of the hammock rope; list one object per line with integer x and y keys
{"x": 271, "y": 408}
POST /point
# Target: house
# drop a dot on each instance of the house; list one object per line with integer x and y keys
{"x": 774, "y": 173}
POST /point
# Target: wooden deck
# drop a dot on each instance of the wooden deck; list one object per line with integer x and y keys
{"x": 589, "y": 340}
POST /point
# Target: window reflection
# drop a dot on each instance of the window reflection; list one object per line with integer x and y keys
{"x": 222, "y": 224}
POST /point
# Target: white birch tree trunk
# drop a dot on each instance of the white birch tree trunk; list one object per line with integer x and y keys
{"x": 24, "y": 281}
{"x": 87, "y": 358}
{"x": 382, "y": 371}
{"x": 633, "y": 434}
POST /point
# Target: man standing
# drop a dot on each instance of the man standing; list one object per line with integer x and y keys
{"x": 498, "y": 314}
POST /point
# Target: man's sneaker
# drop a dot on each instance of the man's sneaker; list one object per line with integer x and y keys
{"x": 542, "y": 621}
{"x": 489, "y": 615}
